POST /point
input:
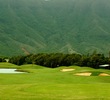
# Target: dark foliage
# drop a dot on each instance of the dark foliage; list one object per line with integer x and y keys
{"x": 3, "y": 59}
{"x": 54, "y": 60}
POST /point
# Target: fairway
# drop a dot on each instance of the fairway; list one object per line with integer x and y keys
{"x": 41, "y": 83}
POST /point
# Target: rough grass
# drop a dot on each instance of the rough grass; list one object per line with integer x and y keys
{"x": 52, "y": 84}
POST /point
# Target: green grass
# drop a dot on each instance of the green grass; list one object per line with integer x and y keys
{"x": 51, "y": 84}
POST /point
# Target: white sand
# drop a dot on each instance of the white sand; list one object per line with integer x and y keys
{"x": 104, "y": 74}
{"x": 67, "y": 70}
{"x": 83, "y": 74}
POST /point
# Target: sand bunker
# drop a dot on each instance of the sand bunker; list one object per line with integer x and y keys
{"x": 67, "y": 70}
{"x": 104, "y": 74}
{"x": 83, "y": 74}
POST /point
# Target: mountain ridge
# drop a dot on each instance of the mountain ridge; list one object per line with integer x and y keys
{"x": 68, "y": 26}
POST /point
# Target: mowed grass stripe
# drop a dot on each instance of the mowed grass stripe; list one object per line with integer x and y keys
{"x": 55, "y": 92}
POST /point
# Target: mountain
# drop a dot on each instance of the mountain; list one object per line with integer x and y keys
{"x": 68, "y": 26}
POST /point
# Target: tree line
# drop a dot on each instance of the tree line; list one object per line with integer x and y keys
{"x": 2, "y": 59}
{"x": 54, "y": 60}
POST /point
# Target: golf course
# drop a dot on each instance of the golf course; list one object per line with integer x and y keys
{"x": 62, "y": 83}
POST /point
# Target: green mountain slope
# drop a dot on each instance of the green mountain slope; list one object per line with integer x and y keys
{"x": 33, "y": 26}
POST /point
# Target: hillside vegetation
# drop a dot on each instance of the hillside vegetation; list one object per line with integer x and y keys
{"x": 68, "y": 26}
{"x": 57, "y": 60}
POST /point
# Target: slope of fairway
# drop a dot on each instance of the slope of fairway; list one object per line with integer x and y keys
{"x": 52, "y": 84}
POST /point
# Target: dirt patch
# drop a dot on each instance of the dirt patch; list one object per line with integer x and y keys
{"x": 67, "y": 70}
{"x": 104, "y": 74}
{"x": 83, "y": 74}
